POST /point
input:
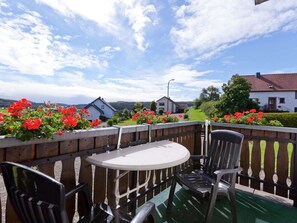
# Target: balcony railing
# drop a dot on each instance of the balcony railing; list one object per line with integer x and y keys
{"x": 268, "y": 159}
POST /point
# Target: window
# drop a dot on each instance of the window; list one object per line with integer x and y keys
{"x": 282, "y": 100}
{"x": 295, "y": 94}
{"x": 295, "y": 109}
{"x": 161, "y": 104}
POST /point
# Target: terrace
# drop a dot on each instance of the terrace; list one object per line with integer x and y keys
{"x": 268, "y": 160}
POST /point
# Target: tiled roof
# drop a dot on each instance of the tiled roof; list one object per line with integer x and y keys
{"x": 272, "y": 82}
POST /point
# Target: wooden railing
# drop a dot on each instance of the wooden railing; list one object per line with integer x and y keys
{"x": 64, "y": 158}
{"x": 268, "y": 160}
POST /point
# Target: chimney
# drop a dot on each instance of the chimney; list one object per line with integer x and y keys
{"x": 258, "y": 75}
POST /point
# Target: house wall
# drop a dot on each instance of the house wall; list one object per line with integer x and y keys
{"x": 108, "y": 112}
{"x": 290, "y": 101}
{"x": 168, "y": 105}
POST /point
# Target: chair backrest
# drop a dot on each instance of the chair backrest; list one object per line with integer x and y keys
{"x": 35, "y": 197}
{"x": 224, "y": 151}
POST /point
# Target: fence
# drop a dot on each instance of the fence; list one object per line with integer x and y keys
{"x": 268, "y": 159}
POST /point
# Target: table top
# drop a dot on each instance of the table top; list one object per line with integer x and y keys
{"x": 150, "y": 156}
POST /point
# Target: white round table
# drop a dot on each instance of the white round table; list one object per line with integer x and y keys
{"x": 150, "y": 156}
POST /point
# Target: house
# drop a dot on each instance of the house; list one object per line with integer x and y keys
{"x": 99, "y": 107}
{"x": 274, "y": 92}
{"x": 168, "y": 105}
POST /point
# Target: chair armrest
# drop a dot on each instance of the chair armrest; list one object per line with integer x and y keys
{"x": 218, "y": 174}
{"x": 146, "y": 210}
{"x": 195, "y": 157}
{"x": 81, "y": 187}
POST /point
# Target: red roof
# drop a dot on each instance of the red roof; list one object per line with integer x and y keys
{"x": 272, "y": 82}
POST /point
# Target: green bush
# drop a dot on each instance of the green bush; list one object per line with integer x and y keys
{"x": 186, "y": 116}
{"x": 110, "y": 122}
{"x": 209, "y": 108}
{"x": 287, "y": 119}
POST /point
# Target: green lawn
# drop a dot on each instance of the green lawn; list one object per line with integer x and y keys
{"x": 3, "y": 110}
{"x": 127, "y": 122}
{"x": 196, "y": 115}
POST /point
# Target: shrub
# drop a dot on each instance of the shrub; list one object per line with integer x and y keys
{"x": 209, "y": 108}
{"x": 287, "y": 119}
{"x": 110, "y": 122}
{"x": 161, "y": 112}
{"x": 149, "y": 117}
{"x": 186, "y": 116}
{"x": 24, "y": 123}
{"x": 251, "y": 117}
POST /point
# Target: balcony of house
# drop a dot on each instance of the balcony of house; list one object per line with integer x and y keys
{"x": 268, "y": 161}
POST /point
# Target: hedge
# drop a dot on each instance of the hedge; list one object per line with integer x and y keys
{"x": 287, "y": 119}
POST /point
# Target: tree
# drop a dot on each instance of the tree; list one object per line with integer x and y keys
{"x": 138, "y": 106}
{"x": 210, "y": 93}
{"x": 153, "y": 106}
{"x": 236, "y": 96}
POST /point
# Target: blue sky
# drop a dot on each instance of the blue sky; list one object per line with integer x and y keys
{"x": 75, "y": 51}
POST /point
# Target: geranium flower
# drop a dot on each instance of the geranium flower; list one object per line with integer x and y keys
{"x": 32, "y": 123}
{"x": 60, "y": 132}
{"x": 95, "y": 123}
{"x": 149, "y": 121}
{"x": 84, "y": 111}
{"x": 253, "y": 110}
{"x": 180, "y": 115}
{"x": 69, "y": 121}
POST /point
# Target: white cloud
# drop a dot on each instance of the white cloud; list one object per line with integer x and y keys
{"x": 77, "y": 87}
{"x": 187, "y": 76}
{"x": 110, "y": 15}
{"x": 208, "y": 27}
{"x": 28, "y": 46}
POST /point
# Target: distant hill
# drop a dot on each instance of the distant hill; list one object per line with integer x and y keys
{"x": 119, "y": 105}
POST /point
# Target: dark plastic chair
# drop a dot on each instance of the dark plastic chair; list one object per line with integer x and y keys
{"x": 217, "y": 176}
{"x": 38, "y": 198}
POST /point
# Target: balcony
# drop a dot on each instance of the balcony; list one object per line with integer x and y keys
{"x": 268, "y": 160}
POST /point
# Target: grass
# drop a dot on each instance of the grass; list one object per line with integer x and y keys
{"x": 127, "y": 122}
{"x": 196, "y": 115}
{"x": 3, "y": 110}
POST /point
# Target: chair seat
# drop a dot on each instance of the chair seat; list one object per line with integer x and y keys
{"x": 199, "y": 183}
{"x": 196, "y": 182}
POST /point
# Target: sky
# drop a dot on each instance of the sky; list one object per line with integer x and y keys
{"x": 73, "y": 51}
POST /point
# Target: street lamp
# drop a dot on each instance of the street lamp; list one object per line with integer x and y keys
{"x": 168, "y": 87}
{"x": 257, "y": 2}
{"x": 168, "y": 94}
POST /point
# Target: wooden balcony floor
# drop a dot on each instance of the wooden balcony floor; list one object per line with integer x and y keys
{"x": 250, "y": 209}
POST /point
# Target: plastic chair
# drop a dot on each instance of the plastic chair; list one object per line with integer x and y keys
{"x": 38, "y": 198}
{"x": 217, "y": 176}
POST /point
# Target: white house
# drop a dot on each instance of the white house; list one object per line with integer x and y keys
{"x": 274, "y": 91}
{"x": 166, "y": 104}
{"x": 99, "y": 107}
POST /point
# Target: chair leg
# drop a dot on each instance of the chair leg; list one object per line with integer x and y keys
{"x": 170, "y": 198}
{"x": 232, "y": 201}
{"x": 211, "y": 204}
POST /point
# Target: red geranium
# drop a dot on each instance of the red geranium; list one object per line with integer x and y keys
{"x": 95, "y": 123}
{"x": 149, "y": 121}
{"x": 84, "y": 111}
{"x": 69, "y": 121}
{"x": 60, "y": 132}
{"x": 32, "y": 123}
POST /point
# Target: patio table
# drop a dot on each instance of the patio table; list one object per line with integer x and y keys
{"x": 144, "y": 157}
